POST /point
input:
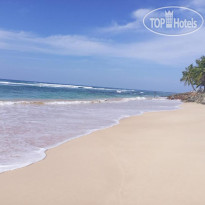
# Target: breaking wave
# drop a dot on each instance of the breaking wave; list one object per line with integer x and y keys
{"x": 69, "y": 102}
{"x": 52, "y": 85}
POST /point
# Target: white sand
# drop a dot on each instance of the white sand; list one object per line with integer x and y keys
{"x": 153, "y": 159}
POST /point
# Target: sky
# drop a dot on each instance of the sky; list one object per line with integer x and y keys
{"x": 94, "y": 42}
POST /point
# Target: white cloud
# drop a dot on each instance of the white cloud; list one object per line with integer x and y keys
{"x": 198, "y": 3}
{"x": 58, "y": 44}
{"x": 163, "y": 50}
{"x": 140, "y": 13}
{"x": 134, "y": 25}
{"x": 117, "y": 28}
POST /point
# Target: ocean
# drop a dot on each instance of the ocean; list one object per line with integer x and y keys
{"x": 36, "y": 116}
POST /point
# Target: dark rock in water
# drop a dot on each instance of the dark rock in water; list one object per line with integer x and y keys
{"x": 198, "y": 97}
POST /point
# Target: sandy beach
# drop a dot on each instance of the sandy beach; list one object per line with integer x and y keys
{"x": 154, "y": 159}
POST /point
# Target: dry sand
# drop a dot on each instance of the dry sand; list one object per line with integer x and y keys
{"x": 154, "y": 159}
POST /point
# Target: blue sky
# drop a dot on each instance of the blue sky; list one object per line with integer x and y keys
{"x": 101, "y": 42}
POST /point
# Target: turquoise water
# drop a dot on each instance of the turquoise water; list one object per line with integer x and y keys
{"x": 17, "y": 90}
{"x": 38, "y": 116}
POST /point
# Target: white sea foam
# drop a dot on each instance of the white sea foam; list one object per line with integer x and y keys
{"x": 134, "y": 98}
{"x": 53, "y": 85}
{"x": 27, "y": 131}
{"x": 68, "y": 102}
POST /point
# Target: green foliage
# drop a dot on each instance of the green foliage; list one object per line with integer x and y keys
{"x": 195, "y": 75}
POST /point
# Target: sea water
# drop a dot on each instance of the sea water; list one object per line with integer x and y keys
{"x": 37, "y": 116}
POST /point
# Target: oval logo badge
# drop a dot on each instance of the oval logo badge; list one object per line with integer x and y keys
{"x": 173, "y": 21}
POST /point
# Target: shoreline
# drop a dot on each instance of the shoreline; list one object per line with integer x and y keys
{"x": 75, "y": 101}
{"x": 115, "y": 123}
{"x": 138, "y": 160}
